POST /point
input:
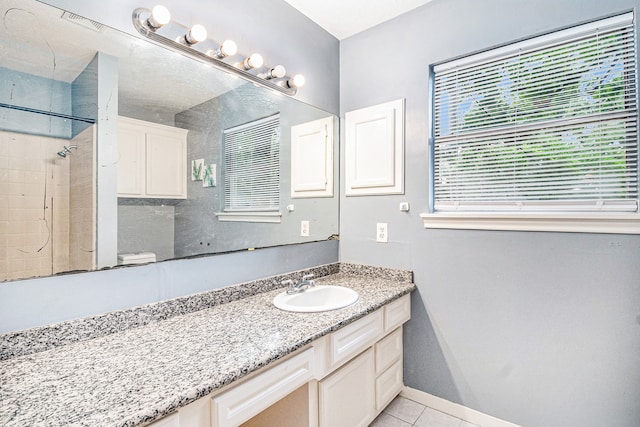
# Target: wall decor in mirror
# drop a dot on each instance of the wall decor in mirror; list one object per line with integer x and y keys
{"x": 112, "y": 151}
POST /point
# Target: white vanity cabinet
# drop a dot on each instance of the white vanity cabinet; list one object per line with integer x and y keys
{"x": 355, "y": 393}
{"x": 152, "y": 160}
{"x": 344, "y": 379}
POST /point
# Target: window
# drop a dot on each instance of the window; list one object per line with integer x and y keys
{"x": 252, "y": 171}
{"x": 547, "y": 125}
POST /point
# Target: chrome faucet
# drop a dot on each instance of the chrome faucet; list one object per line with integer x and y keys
{"x": 302, "y": 284}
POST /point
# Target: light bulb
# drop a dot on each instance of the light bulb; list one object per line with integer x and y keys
{"x": 254, "y": 61}
{"x": 227, "y": 48}
{"x": 297, "y": 81}
{"x": 276, "y": 72}
{"x": 196, "y": 34}
{"x": 160, "y": 16}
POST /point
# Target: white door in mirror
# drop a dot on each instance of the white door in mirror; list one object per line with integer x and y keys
{"x": 316, "y": 299}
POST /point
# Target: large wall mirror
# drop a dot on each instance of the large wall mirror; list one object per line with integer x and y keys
{"x": 114, "y": 150}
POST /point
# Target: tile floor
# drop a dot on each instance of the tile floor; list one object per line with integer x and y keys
{"x": 403, "y": 412}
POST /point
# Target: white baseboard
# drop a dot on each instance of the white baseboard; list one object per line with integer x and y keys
{"x": 454, "y": 409}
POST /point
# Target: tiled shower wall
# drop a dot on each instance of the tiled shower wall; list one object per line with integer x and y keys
{"x": 35, "y": 204}
{"x": 82, "y": 202}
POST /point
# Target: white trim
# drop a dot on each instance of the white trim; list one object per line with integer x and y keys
{"x": 269, "y": 217}
{"x": 573, "y": 222}
{"x": 466, "y": 414}
{"x": 555, "y": 37}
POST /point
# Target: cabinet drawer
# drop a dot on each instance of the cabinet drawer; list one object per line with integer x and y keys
{"x": 397, "y": 312}
{"x": 388, "y": 350}
{"x": 352, "y": 339}
{"x": 239, "y": 404}
{"x": 388, "y": 385}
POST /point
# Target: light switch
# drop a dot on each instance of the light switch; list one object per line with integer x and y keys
{"x": 304, "y": 228}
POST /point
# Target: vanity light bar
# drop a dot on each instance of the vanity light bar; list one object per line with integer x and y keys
{"x": 148, "y": 22}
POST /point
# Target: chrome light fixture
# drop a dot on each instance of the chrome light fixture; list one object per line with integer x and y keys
{"x": 194, "y": 44}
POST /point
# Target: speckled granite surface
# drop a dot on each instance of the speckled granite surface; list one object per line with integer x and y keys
{"x": 39, "y": 339}
{"x": 138, "y": 375}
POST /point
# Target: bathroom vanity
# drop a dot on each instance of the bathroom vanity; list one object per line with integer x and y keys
{"x": 342, "y": 379}
{"x": 242, "y": 362}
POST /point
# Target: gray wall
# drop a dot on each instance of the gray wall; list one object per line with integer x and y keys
{"x": 29, "y": 91}
{"x": 197, "y": 227}
{"x": 35, "y": 302}
{"x": 282, "y": 35}
{"x": 144, "y": 226}
{"x": 84, "y": 93}
{"x": 540, "y": 329}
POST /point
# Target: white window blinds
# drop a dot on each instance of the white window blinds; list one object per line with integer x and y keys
{"x": 252, "y": 166}
{"x": 547, "y": 124}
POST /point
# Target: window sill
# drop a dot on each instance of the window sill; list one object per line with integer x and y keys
{"x": 571, "y": 223}
{"x": 267, "y": 217}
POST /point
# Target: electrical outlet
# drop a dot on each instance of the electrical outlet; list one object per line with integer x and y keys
{"x": 382, "y": 232}
{"x": 304, "y": 228}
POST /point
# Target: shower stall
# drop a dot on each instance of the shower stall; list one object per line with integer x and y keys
{"x": 47, "y": 197}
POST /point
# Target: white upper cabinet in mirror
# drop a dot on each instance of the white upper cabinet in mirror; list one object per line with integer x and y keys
{"x": 66, "y": 83}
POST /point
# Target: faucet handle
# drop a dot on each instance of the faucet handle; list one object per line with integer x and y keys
{"x": 287, "y": 282}
{"x": 307, "y": 279}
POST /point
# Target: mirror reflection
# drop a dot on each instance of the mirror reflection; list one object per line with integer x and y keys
{"x": 114, "y": 150}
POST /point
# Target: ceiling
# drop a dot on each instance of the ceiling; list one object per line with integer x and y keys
{"x": 344, "y": 18}
{"x": 41, "y": 40}
{"x": 44, "y": 43}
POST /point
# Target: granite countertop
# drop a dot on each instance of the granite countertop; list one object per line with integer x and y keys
{"x": 139, "y": 375}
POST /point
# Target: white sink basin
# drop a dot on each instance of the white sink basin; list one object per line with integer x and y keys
{"x": 317, "y": 298}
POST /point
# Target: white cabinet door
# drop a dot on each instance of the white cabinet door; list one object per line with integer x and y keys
{"x": 347, "y": 397}
{"x": 166, "y": 164}
{"x": 312, "y": 159}
{"x": 152, "y": 160}
{"x": 374, "y": 150}
{"x": 131, "y": 160}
